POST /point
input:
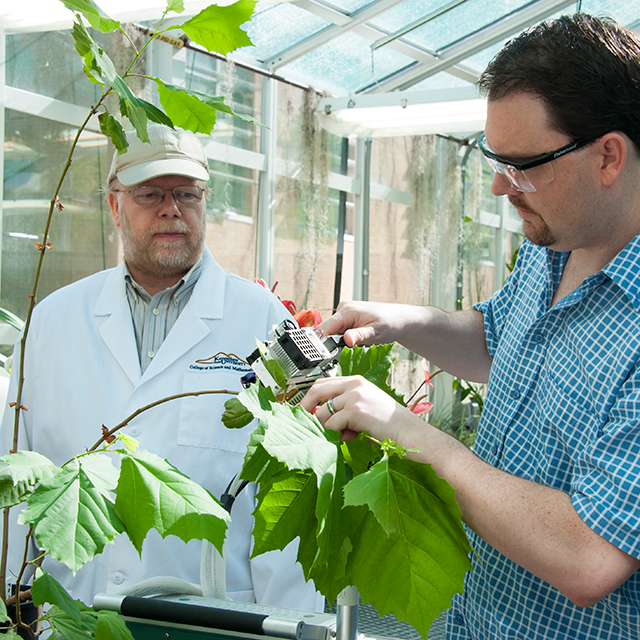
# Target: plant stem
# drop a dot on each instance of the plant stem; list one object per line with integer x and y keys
{"x": 136, "y": 413}
{"x": 23, "y": 341}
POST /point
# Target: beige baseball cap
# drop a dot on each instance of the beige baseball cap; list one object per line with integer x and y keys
{"x": 171, "y": 152}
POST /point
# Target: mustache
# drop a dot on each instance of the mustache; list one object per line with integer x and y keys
{"x": 520, "y": 204}
{"x": 177, "y": 226}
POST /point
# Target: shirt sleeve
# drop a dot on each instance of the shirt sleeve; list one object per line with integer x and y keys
{"x": 605, "y": 479}
{"x": 497, "y": 307}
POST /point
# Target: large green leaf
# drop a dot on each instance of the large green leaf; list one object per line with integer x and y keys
{"x": 153, "y": 494}
{"x": 96, "y": 17}
{"x": 48, "y": 589}
{"x": 72, "y": 517}
{"x": 376, "y": 489}
{"x": 3, "y": 612}
{"x": 193, "y": 110}
{"x": 65, "y": 627}
{"x": 218, "y": 28}
{"x": 286, "y": 510}
{"x": 20, "y": 472}
{"x": 414, "y": 572}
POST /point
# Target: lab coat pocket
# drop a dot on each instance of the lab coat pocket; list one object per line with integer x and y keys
{"x": 200, "y": 424}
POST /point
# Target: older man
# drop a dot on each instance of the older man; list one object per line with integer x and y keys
{"x": 167, "y": 320}
{"x": 550, "y": 492}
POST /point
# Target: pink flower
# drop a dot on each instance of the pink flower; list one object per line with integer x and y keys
{"x": 427, "y": 375}
{"x": 421, "y": 407}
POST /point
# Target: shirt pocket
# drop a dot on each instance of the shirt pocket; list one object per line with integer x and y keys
{"x": 200, "y": 416}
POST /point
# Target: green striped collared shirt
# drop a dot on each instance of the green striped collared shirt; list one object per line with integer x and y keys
{"x": 153, "y": 317}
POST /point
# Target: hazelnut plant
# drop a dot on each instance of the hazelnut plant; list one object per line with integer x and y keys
{"x": 70, "y": 510}
{"x": 366, "y": 516}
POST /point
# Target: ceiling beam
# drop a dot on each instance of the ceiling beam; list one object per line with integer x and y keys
{"x": 339, "y": 26}
{"x": 498, "y": 31}
{"x": 370, "y": 33}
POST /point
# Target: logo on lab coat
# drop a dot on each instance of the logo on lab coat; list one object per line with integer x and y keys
{"x": 221, "y": 360}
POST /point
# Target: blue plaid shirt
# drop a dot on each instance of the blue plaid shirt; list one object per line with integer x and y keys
{"x": 562, "y": 410}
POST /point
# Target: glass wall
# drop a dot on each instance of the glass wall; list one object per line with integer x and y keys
{"x": 428, "y": 216}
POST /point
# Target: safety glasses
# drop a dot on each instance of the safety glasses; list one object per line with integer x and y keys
{"x": 533, "y": 173}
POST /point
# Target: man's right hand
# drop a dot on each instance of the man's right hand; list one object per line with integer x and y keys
{"x": 453, "y": 341}
{"x": 367, "y": 323}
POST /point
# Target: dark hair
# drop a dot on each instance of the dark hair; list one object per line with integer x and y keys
{"x": 586, "y": 69}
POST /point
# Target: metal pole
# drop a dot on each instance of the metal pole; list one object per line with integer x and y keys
{"x": 347, "y": 619}
{"x": 267, "y": 195}
{"x": 342, "y": 216}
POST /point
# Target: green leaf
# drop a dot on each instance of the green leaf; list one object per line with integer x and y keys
{"x": 193, "y": 110}
{"x": 67, "y": 628}
{"x": 20, "y": 472}
{"x": 96, "y": 17}
{"x": 375, "y": 489}
{"x": 373, "y": 363}
{"x": 175, "y": 5}
{"x": 360, "y": 453}
{"x": 111, "y": 128}
{"x": 49, "y": 590}
{"x": 218, "y": 28}
{"x": 236, "y": 415}
{"x": 286, "y": 510}
{"x": 415, "y": 571}
{"x": 111, "y": 626}
{"x": 72, "y": 517}
{"x": 3, "y": 612}
{"x": 153, "y": 494}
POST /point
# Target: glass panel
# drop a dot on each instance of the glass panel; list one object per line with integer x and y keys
{"x": 271, "y": 30}
{"x": 82, "y": 236}
{"x": 346, "y": 64}
{"x": 460, "y": 22}
{"x": 404, "y": 14}
{"x": 306, "y": 209}
{"x": 48, "y": 64}
{"x": 625, "y": 12}
{"x": 231, "y": 213}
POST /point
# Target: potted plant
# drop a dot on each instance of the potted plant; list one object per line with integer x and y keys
{"x": 366, "y": 515}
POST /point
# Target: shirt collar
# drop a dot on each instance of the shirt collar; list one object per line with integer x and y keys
{"x": 186, "y": 282}
{"x": 624, "y": 270}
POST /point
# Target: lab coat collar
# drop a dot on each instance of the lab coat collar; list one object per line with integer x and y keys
{"x": 207, "y": 301}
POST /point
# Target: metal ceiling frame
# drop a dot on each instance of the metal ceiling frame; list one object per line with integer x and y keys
{"x": 427, "y": 63}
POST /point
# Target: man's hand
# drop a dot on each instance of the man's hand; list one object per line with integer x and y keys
{"x": 453, "y": 341}
{"x": 358, "y": 405}
{"x": 368, "y": 323}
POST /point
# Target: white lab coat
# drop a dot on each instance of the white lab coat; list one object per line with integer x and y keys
{"x": 82, "y": 371}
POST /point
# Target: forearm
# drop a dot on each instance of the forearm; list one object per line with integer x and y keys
{"x": 453, "y": 341}
{"x": 533, "y": 525}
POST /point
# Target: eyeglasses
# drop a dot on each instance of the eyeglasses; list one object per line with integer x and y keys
{"x": 150, "y": 196}
{"x": 531, "y": 174}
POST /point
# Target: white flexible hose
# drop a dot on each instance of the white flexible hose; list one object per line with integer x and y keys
{"x": 213, "y": 571}
{"x": 213, "y": 564}
{"x": 161, "y": 586}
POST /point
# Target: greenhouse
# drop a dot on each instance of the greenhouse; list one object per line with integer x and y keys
{"x": 344, "y": 163}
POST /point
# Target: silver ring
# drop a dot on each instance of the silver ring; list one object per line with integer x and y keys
{"x": 330, "y": 406}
